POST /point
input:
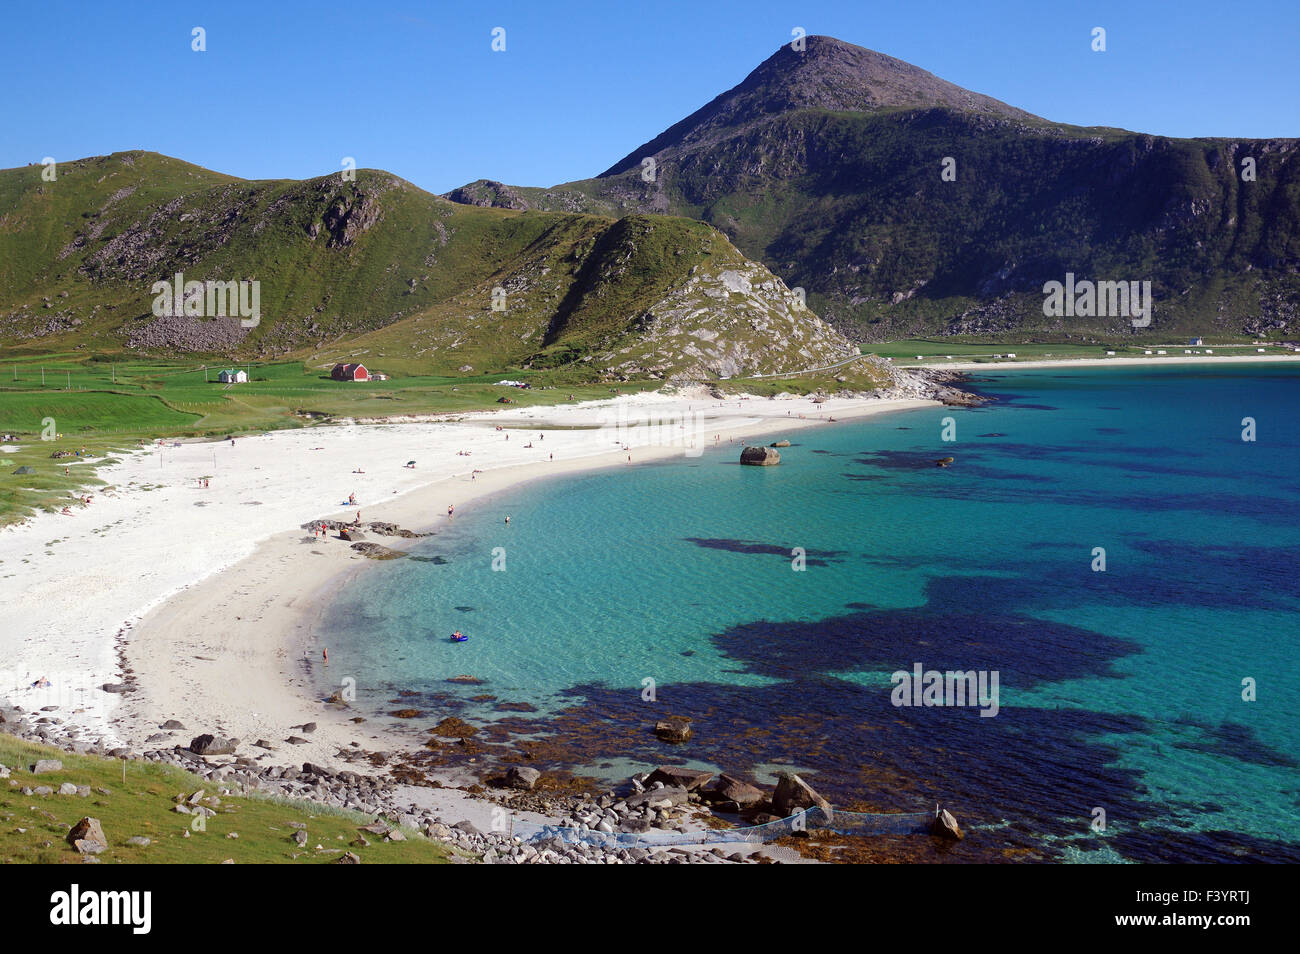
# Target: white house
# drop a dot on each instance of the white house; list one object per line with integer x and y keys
{"x": 232, "y": 377}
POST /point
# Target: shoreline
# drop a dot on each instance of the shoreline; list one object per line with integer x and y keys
{"x": 287, "y": 597}
{"x": 1117, "y": 361}
{"x": 112, "y": 595}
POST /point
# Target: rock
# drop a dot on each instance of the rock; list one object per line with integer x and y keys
{"x": 945, "y": 826}
{"x": 139, "y": 841}
{"x": 678, "y": 776}
{"x": 779, "y": 444}
{"x": 300, "y": 838}
{"x": 349, "y": 533}
{"x": 47, "y": 765}
{"x": 349, "y": 858}
{"x": 171, "y": 725}
{"x": 67, "y": 788}
{"x": 522, "y": 777}
{"x": 760, "y": 456}
{"x": 88, "y": 837}
{"x": 659, "y": 798}
{"x": 733, "y": 790}
{"x": 211, "y": 745}
{"x": 793, "y": 794}
{"x": 673, "y": 729}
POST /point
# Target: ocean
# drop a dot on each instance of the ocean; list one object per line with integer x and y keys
{"x": 1104, "y": 541}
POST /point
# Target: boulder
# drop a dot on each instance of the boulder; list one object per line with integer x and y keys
{"x": 678, "y": 776}
{"x": 674, "y": 729}
{"x": 760, "y": 456}
{"x": 47, "y": 765}
{"x": 171, "y": 724}
{"x": 349, "y": 858}
{"x": 779, "y": 444}
{"x": 351, "y": 534}
{"x": 88, "y": 837}
{"x": 207, "y": 744}
{"x": 793, "y": 794}
{"x": 730, "y": 789}
{"x": 522, "y": 777}
{"x": 945, "y": 826}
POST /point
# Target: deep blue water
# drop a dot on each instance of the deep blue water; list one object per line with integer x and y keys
{"x": 1120, "y": 690}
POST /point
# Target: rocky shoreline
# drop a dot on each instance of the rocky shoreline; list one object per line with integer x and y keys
{"x": 662, "y": 816}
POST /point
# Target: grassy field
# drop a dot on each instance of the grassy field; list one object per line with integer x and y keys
{"x": 94, "y": 410}
{"x": 252, "y": 829}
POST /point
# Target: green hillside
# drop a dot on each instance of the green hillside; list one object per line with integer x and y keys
{"x": 343, "y": 267}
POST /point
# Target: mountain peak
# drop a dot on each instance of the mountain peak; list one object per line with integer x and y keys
{"x": 826, "y": 74}
{"x": 831, "y": 74}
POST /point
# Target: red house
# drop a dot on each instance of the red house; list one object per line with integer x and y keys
{"x": 350, "y": 372}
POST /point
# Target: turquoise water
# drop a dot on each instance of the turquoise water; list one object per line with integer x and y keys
{"x": 1119, "y": 690}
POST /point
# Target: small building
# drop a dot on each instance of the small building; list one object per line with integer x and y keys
{"x": 350, "y": 372}
{"x": 1196, "y": 342}
{"x": 231, "y": 376}
{"x": 1111, "y": 354}
{"x": 1162, "y": 352}
{"x": 1148, "y": 351}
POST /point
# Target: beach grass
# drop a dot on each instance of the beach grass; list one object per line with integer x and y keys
{"x": 138, "y": 799}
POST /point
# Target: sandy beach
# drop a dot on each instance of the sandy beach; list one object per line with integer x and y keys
{"x": 208, "y": 595}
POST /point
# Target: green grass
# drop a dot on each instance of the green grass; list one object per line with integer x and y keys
{"x": 140, "y": 803}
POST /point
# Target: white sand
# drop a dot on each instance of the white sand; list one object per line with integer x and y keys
{"x": 213, "y": 592}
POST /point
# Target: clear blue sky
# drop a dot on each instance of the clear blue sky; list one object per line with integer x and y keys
{"x": 288, "y": 89}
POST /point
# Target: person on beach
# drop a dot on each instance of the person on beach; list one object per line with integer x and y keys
{"x": 451, "y": 510}
{"x": 325, "y": 653}
{"x": 507, "y": 518}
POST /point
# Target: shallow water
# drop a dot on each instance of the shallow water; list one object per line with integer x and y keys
{"x": 1118, "y": 690}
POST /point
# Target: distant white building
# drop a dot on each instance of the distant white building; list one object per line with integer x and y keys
{"x": 232, "y": 377}
{"x": 1162, "y": 352}
{"x": 1111, "y": 354}
{"x": 1146, "y": 352}
{"x": 1196, "y": 342}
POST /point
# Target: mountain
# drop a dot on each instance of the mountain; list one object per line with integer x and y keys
{"x": 827, "y": 166}
{"x": 375, "y": 263}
